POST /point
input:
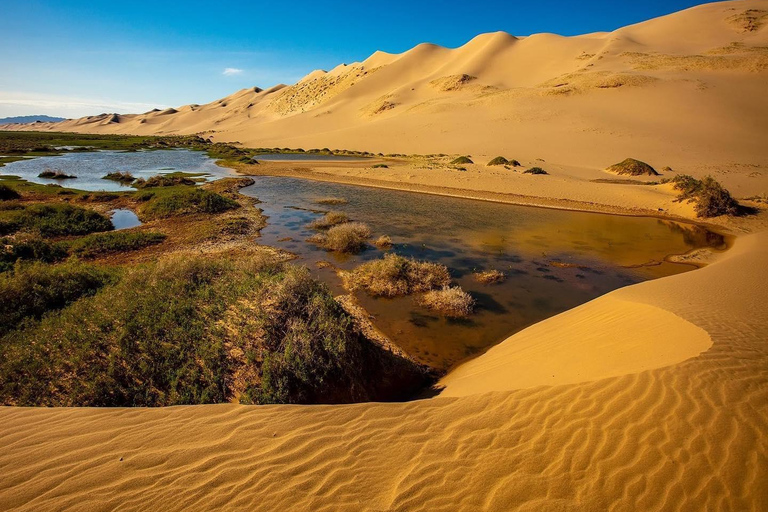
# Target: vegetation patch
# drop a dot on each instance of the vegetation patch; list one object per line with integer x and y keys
{"x": 29, "y": 249}
{"x": 56, "y": 175}
{"x": 201, "y": 331}
{"x": 535, "y": 170}
{"x": 186, "y": 201}
{"x": 7, "y": 193}
{"x": 53, "y": 219}
{"x": 164, "y": 181}
{"x": 121, "y": 177}
{"x": 394, "y": 276}
{"x": 499, "y": 160}
{"x": 490, "y": 276}
{"x": 384, "y": 242}
{"x": 461, "y": 160}
{"x": 450, "y": 301}
{"x": 331, "y": 201}
{"x": 632, "y": 167}
{"x": 381, "y": 166}
{"x": 709, "y": 197}
{"x": 350, "y": 237}
{"x": 100, "y": 244}
{"x": 329, "y": 220}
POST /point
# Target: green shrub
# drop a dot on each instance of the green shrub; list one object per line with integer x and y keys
{"x": 535, "y": 170}
{"x": 461, "y": 160}
{"x": 116, "y": 241}
{"x": 56, "y": 175}
{"x": 33, "y": 290}
{"x": 394, "y": 276}
{"x": 381, "y": 166}
{"x": 187, "y": 201}
{"x": 122, "y": 177}
{"x": 7, "y": 193}
{"x": 54, "y": 220}
{"x": 164, "y": 181}
{"x": 514, "y": 163}
{"x": 499, "y": 160}
{"x": 192, "y": 330}
{"x": 709, "y": 197}
{"x": 633, "y": 167}
{"x": 33, "y": 249}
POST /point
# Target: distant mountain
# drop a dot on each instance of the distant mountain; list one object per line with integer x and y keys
{"x": 31, "y": 119}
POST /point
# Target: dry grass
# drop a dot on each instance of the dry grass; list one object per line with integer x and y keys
{"x": 329, "y": 220}
{"x": 490, "y": 276}
{"x": 394, "y": 276}
{"x": 383, "y": 242}
{"x": 332, "y": 201}
{"x": 450, "y": 301}
{"x": 350, "y": 237}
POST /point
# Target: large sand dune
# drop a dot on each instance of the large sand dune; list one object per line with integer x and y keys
{"x": 685, "y": 90}
{"x": 686, "y": 435}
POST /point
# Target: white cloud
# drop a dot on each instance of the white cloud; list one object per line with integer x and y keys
{"x": 232, "y": 71}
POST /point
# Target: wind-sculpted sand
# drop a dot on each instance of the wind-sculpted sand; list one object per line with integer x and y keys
{"x": 683, "y": 429}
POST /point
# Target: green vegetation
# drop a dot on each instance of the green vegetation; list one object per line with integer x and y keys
{"x": 499, "y": 160}
{"x": 29, "y": 249}
{"x": 709, "y": 197}
{"x": 452, "y": 302}
{"x": 329, "y": 220}
{"x": 121, "y": 177}
{"x": 56, "y": 175}
{"x": 184, "y": 201}
{"x": 164, "y": 181}
{"x": 55, "y": 219}
{"x": 490, "y": 277}
{"x": 331, "y": 201}
{"x": 535, "y": 170}
{"x": 514, "y": 163}
{"x": 7, "y": 193}
{"x": 188, "y": 330}
{"x": 100, "y": 244}
{"x": 31, "y": 291}
{"x": 350, "y": 237}
{"x": 394, "y": 276}
{"x": 462, "y": 160}
{"x": 633, "y": 167}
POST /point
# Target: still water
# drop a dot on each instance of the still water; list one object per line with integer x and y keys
{"x": 554, "y": 260}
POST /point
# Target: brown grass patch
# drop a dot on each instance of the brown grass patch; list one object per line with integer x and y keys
{"x": 450, "y": 301}
{"x": 394, "y": 276}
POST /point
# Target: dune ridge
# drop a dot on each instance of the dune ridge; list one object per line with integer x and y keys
{"x": 690, "y": 436}
{"x": 685, "y": 89}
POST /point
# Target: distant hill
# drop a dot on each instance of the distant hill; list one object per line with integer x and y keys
{"x": 31, "y": 119}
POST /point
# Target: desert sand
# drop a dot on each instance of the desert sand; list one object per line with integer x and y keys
{"x": 653, "y": 397}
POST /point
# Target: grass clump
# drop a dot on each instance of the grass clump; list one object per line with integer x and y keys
{"x": 350, "y": 237}
{"x": 709, "y": 197}
{"x": 633, "y": 167}
{"x": 187, "y": 201}
{"x": 535, "y": 170}
{"x": 50, "y": 220}
{"x": 381, "y": 166}
{"x": 329, "y": 220}
{"x": 121, "y": 177}
{"x": 7, "y": 193}
{"x": 452, "y": 302}
{"x": 100, "y": 244}
{"x": 164, "y": 181}
{"x": 384, "y": 242}
{"x": 56, "y": 175}
{"x": 331, "y": 201}
{"x": 461, "y": 160}
{"x": 31, "y": 291}
{"x": 490, "y": 276}
{"x": 394, "y": 276}
{"x": 202, "y": 330}
{"x": 514, "y": 163}
{"x": 29, "y": 249}
{"x": 499, "y": 160}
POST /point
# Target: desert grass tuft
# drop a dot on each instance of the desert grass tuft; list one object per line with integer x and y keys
{"x": 329, "y": 220}
{"x": 490, "y": 276}
{"x": 394, "y": 276}
{"x": 452, "y": 302}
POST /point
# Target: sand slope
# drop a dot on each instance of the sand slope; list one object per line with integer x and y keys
{"x": 690, "y": 436}
{"x": 685, "y": 90}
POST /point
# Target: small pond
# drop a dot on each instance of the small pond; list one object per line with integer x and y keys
{"x": 554, "y": 260}
{"x": 91, "y": 166}
{"x": 124, "y": 219}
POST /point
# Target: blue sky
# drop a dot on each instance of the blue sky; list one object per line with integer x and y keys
{"x": 83, "y": 57}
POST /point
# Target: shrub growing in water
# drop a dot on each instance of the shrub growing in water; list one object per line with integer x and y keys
{"x": 452, "y": 302}
{"x": 490, "y": 276}
{"x": 329, "y": 220}
{"x": 351, "y": 237}
{"x": 394, "y": 276}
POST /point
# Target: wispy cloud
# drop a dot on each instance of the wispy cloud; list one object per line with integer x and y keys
{"x": 232, "y": 71}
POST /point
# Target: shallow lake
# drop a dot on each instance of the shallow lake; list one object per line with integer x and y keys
{"x": 309, "y": 157}
{"x": 91, "y": 166}
{"x": 554, "y": 260}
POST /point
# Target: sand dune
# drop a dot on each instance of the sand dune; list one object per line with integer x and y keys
{"x": 690, "y": 436}
{"x": 686, "y": 90}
